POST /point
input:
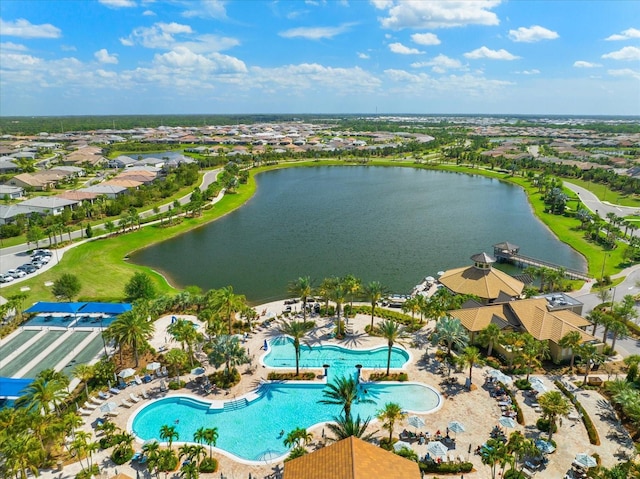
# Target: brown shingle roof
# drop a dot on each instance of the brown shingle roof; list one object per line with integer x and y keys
{"x": 476, "y": 319}
{"x": 484, "y": 283}
{"x": 351, "y": 458}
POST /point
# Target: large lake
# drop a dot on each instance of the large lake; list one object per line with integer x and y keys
{"x": 393, "y": 225}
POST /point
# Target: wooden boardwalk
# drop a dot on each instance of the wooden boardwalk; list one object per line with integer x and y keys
{"x": 525, "y": 261}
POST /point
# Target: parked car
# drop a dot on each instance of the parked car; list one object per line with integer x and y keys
{"x": 42, "y": 259}
{"x": 6, "y": 278}
{"x": 27, "y": 268}
{"x": 16, "y": 273}
{"x": 41, "y": 252}
{"x": 36, "y": 264}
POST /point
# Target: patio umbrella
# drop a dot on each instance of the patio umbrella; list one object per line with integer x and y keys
{"x": 400, "y": 444}
{"x": 456, "y": 427}
{"x": 108, "y": 407}
{"x": 585, "y": 460}
{"x": 437, "y": 449}
{"x": 415, "y": 421}
{"x": 197, "y": 371}
{"x": 127, "y": 373}
{"x": 544, "y": 447}
{"x": 507, "y": 422}
{"x": 153, "y": 366}
{"x": 538, "y": 385}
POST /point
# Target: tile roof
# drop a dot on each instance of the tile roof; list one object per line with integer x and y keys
{"x": 484, "y": 283}
{"x": 351, "y": 458}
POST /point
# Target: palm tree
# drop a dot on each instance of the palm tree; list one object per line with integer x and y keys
{"x": 391, "y": 414}
{"x": 189, "y": 470}
{"x": 451, "y": 332}
{"x": 228, "y": 303}
{"x": 343, "y": 391}
{"x": 520, "y": 447}
{"x": 22, "y": 454}
{"x": 42, "y": 395}
{"x": 227, "y": 350}
{"x": 325, "y": 289}
{"x": 169, "y": 433}
{"x": 131, "y": 329}
{"x": 393, "y": 333}
{"x": 374, "y": 292}
{"x": 184, "y": 332}
{"x": 352, "y": 286}
{"x": 297, "y": 330}
{"x": 210, "y": 438}
{"x": 343, "y": 428}
{"x": 412, "y": 306}
{"x": 301, "y": 287}
{"x": 299, "y": 437}
{"x": 596, "y": 317}
{"x": 553, "y": 404}
{"x": 619, "y": 330}
{"x": 494, "y": 453}
{"x": 532, "y": 352}
{"x": 490, "y": 336}
{"x": 84, "y": 372}
{"x": 338, "y": 295}
{"x": 588, "y": 354}
{"x": 151, "y": 451}
{"x": 571, "y": 341}
{"x": 471, "y": 357}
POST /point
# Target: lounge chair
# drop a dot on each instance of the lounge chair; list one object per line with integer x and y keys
{"x": 114, "y": 391}
{"x": 164, "y": 371}
{"x": 89, "y": 406}
{"x": 112, "y": 413}
{"x": 96, "y": 400}
{"x": 126, "y": 403}
{"x": 144, "y": 394}
{"x": 163, "y": 387}
{"x": 136, "y": 456}
{"x": 84, "y": 412}
{"x": 134, "y": 398}
{"x": 137, "y": 379}
{"x": 103, "y": 395}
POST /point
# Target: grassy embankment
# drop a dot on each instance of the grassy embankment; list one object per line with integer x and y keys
{"x": 103, "y": 271}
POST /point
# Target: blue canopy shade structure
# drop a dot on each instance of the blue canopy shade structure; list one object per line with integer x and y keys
{"x": 11, "y": 388}
{"x": 107, "y": 308}
{"x": 44, "y": 307}
{"x": 74, "y": 308}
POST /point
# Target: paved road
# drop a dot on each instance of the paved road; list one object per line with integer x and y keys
{"x": 14, "y": 256}
{"x": 594, "y": 205}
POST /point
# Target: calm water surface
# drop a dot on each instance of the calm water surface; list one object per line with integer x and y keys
{"x": 393, "y": 225}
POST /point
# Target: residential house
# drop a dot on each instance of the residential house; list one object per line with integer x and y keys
{"x": 11, "y": 192}
{"x": 121, "y": 161}
{"x": 52, "y": 205}
{"x": 110, "y": 191}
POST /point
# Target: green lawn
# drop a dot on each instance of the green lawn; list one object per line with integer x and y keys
{"x": 605, "y": 194}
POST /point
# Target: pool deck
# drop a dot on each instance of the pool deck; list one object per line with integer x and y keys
{"x": 476, "y": 409}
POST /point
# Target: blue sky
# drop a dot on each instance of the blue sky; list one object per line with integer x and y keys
{"x": 77, "y": 57}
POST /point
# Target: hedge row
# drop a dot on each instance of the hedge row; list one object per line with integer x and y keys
{"x": 413, "y": 324}
{"x": 303, "y": 376}
{"x": 594, "y": 438}
{"x": 514, "y": 402}
{"x": 446, "y": 467}
{"x": 390, "y": 377}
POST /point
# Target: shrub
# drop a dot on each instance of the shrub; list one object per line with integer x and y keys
{"x": 303, "y": 376}
{"x": 408, "y": 453}
{"x": 514, "y": 474}
{"x": 493, "y": 363}
{"x": 522, "y": 384}
{"x": 446, "y": 467}
{"x": 174, "y": 385}
{"x": 88, "y": 473}
{"x": 391, "y": 377}
{"x": 209, "y": 464}
{"x": 170, "y": 463}
{"x": 296, "y": 452}
{"x": 119, "y": 456}
{"x": 543, "y": 425}
{"x": 224, "y": 380}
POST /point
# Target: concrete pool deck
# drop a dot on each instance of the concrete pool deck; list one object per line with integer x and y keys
{"x": 476, "y": 410}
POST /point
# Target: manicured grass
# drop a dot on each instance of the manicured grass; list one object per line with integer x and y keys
{"x": 605, "y": 194}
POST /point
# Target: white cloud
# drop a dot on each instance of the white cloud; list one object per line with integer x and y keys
{"x": 535, "y": 33}
{"x": 25, "y": 29}
{"x": 68, "y": 48}
{"x": 149, "y": 13}
{"x": 103, "y": 56}
{"x": 583, "y": 64}
{"x": 425, "y": 39}
{"x": 13, "y": 46}
{"x": 625, "y": 72}
{"x": 627, "y": 34}
{"x": 316, "y": 33}
{"x": 118, "y": 3}
{"x": 159, "y": 35}
{"x": 184, "y": 59}
{"x": 106, "y": 74}
{"x": 626, "y": 53}
{"x": 401, "y": 49}
{"x": 534, "y": 71}
{"x": 14, "y": 61}
{"x": 437, "y": 13}
{"x": 440, "y": 64}
{"x": 208, "y": 9}
{"x": 484, "y": 52}
{"x": 363, "y": 56}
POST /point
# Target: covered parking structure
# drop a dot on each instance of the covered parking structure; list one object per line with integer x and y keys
{"x": 44, "y": 307}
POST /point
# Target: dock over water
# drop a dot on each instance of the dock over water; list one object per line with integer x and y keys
{"x": 509, "y": 253}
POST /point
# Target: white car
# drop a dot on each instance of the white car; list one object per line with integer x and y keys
{"x": 16, "y": 273}
{"x": 6, "y": 278}
{"x": 43, "y": 259}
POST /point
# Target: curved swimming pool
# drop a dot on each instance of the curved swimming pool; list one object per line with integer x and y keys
{"x": 249, "y": 428}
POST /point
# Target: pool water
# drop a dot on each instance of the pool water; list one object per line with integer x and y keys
{"x": 250, "y": 431}
{"x": 342, "y": 361}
